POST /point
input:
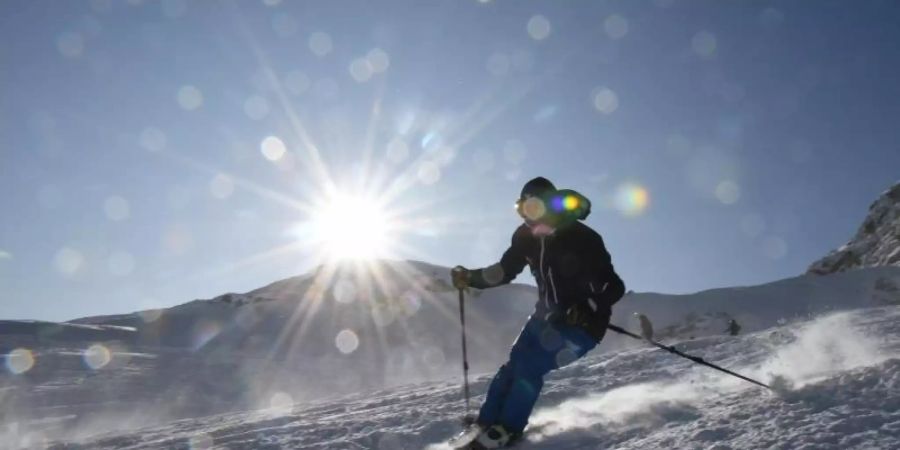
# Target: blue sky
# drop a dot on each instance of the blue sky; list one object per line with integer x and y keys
{"x": 133, "y": 172}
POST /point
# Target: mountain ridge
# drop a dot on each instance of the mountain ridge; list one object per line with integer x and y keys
{"x": 876, "y": 242}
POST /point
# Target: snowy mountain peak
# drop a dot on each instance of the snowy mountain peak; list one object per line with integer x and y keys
{"x": 877, "y": 243}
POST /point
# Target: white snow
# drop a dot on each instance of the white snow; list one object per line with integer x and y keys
{"x": 178, "y": 394}
{"x": 844, "y": 369}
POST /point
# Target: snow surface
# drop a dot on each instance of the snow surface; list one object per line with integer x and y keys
{"x": 276, "y": 349}
{"x": 840, "y": 379}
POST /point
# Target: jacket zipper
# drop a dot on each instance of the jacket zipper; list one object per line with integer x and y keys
{"x": 553, "y": 286}
{"x": 543, "y": 277}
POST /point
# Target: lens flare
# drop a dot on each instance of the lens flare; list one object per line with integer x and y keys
{"x": 19, "y": 361}
{"x": 616, "y": 26}
{"x": 150, "y": 315}
{"x": 200, "y": 441}
{"x": 281, "y": 402}
{"x": 556, "y": 204}
{"x": 346, "y": 341}
{"x": 189, "y": 98}
{"x": 564, "y": 203}
{"x": 205, "y": 331}
{"x": 116, "y": 208}
{"x": 704, "y": 44}
{"x": 538, "y": 27}
{"x": 221, "y": 186}
{"x": 320, "y": 43}
{"x": 97, "y": 356}
{"x": 273, "y": 148}
{"x": 378, "y": 60}
{"x": 532, "y": 208}
{"x": 68, "y": 261}
{"x": 632, "y": 199}
{"x": 344, "y": 291}
{"x": 411, "y": 302}
{"x": 570, "y": 203}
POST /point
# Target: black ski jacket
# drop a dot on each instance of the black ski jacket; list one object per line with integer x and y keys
{"x": 574, "y": 273}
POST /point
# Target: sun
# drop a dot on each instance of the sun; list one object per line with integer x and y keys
{"x": 348, "y": 227}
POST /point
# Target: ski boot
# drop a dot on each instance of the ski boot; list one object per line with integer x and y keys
{"x": 495, "y": 436}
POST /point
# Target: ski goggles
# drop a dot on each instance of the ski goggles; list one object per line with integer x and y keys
{"x": 535, "y": 208}
{"x": 531, "y": 208}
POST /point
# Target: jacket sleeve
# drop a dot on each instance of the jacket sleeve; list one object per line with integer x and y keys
{"x": 511, "y": 263}
{"x": 604, "y": 283}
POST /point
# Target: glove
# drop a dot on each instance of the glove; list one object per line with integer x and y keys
{"x": 576, "y": 316}
{"x": 594, "y": 323}
{"x": 460, "y": 277}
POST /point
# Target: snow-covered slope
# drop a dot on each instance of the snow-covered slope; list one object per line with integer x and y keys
{"x": 877, "y": 243}
{"x": 38, "y": 331}
{"x": 839, "y": 377}
{"x": 332, "y": 333}
{"x": 342, "y": 328}
{"x": 707, "y": 313}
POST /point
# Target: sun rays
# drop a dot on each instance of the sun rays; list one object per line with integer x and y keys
{"x": 348, "y": 223}
{"x": 348, "y": 234}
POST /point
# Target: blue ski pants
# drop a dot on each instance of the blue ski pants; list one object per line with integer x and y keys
{"x": 540, "y": 348}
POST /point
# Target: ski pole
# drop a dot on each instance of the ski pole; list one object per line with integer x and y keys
{"x": 695, "y": 359}
{"x": 462, "y": 321}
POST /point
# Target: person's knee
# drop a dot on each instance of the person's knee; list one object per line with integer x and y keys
{"x": 532, "y": 370}
{"x": 507, "y": 372}
{"x": 527, "y": 387}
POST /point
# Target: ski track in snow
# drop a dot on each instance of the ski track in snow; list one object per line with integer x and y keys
{"x": 839, "y": 378}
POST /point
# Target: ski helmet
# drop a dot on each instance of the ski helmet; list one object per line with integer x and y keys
{"x": 530, "y": 204}
{"x": 536, "y": 187}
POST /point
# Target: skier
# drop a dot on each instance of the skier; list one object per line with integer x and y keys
{"x": 577, "y": 287}
{"x": 646, "y": 326}
{"x": 733, "y": 328}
